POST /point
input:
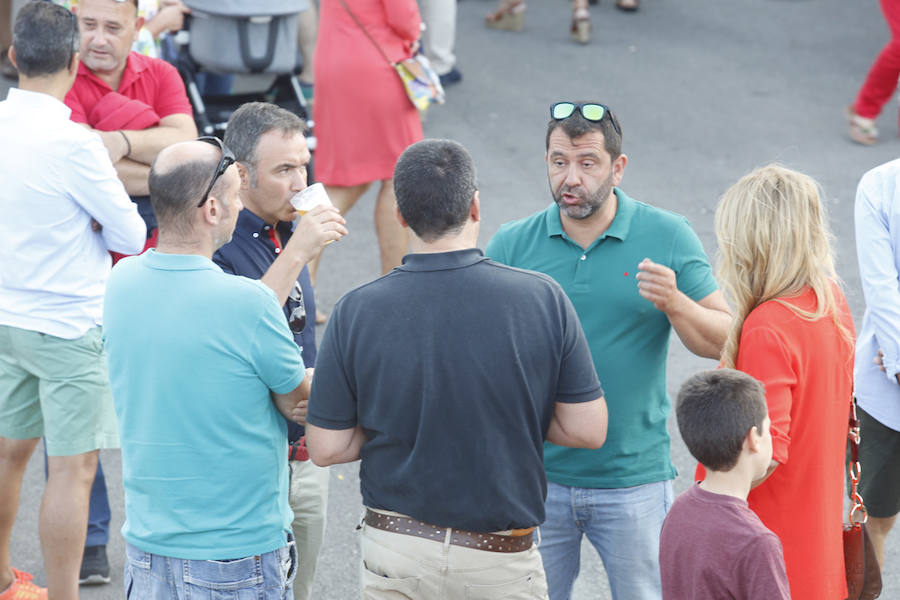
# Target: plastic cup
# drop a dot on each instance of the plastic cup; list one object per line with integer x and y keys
{"x": 313, "y": 196}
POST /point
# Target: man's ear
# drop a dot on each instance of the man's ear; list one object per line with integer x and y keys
{"x": 73, "y": 64}
{"x": 400, "y": 218}
{"x": 475, "y": 210}
{"x": 618, "y": 168}
{"x": 212, "y": 212}
{"x": 12, "y": 57}
{"x": 138, "y": 25}
{"x": 244, "y": 173}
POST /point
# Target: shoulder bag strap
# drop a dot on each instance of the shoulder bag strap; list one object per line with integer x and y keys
{"x": 853, "y": 435}
{"x": 365, "y": 31}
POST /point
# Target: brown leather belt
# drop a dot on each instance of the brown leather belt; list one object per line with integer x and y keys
{"x": 491, "y": 542}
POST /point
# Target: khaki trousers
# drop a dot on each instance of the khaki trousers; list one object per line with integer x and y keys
{"x": 309, "y": 501}
{"x": 397, "y": 566}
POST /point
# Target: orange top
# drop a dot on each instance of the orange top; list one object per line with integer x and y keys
{"x": 807, "y": 370}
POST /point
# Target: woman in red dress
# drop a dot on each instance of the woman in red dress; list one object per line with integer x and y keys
{"x": 793, "y": 332}
{"x": 364, "y": 119}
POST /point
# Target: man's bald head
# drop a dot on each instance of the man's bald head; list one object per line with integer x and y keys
{"x": 170, "y": 157}
{"x": 178, "y": 178}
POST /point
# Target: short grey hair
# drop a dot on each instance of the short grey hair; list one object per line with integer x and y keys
{"x": 253, "y": 120}
{"x": 45, "y": 37}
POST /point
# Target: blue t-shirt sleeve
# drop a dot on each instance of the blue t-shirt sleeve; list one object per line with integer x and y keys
{"x": 578, "y": 380}
{"x": 496, "y": 248}
{"x": 333, "y": 400}
{"x": 275, "y": 356}
{"x": 691, "y": 265}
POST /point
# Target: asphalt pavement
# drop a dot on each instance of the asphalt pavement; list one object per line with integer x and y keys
{"x": 705, "y": 91}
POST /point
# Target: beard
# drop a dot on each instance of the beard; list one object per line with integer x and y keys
{"x": 588, "y": 203}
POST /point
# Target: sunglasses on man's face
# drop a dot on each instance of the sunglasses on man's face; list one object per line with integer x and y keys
{"x": 591, "y": 111}
{"x": 226, "y": 161}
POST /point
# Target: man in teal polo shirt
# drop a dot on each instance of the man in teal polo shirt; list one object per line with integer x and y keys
{"x": 201, "y": 364}
{"x": 633, "y": 272}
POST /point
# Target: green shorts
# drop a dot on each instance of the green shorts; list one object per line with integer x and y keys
{"x": 58, "y": 389}
{"x": 879, "y": 461}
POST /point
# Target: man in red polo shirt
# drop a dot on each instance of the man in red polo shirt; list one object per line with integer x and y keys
{"x": 137, "y": 104}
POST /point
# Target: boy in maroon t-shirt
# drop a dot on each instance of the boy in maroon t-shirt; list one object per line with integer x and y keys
{"x": 712, "y": 545}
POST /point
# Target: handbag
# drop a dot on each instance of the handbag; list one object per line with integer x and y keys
{"x": 422, "y": 84}
{"x": 863, "y": 572}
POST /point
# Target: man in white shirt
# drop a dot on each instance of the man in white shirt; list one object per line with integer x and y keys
{"x": 877, "y": 368}
{"x": 62, "y": 209}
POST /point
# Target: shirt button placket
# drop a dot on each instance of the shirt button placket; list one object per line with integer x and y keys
{"x": 582, "y": 273}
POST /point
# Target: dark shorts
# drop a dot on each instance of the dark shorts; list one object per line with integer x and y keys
{"x": 879, "y": 459}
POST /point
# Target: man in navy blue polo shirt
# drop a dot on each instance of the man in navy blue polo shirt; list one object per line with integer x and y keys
{"x": 272, "y": 156}
{"x": 446, "y": 375}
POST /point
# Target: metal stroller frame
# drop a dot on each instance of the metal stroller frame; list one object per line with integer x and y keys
{"x": 211, "y": 112}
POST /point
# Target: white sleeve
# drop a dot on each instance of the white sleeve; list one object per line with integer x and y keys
{"x": 877, "y": 218}
{"x": 94, "y": 185}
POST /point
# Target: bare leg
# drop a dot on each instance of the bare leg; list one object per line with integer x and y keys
{"x": 393, "y": 238}
{"x": 63, "y": 521}
{"x": 307, "y": 32}
{"x": 878, "y": 530}
{"x": 344, "y": 198}
{"x": 14, "y": 455}
{"x": 581, "y": 22}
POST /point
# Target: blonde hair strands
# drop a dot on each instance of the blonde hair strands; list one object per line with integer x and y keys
{"x": 773, "y": 242}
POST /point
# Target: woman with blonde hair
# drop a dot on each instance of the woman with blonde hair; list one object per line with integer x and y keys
{"x": 792, "y": 331}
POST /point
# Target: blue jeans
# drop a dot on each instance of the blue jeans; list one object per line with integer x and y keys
{"x": 98, "y": 511}
{"x": 622, "y": 524}
{"x": 269, "y": 576}
{"x": 98, "y": 514}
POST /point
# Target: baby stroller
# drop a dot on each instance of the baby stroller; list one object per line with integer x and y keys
{"x": 241, "y": 37}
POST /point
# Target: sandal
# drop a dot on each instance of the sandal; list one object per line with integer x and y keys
{"x": 862, "y": 130}
{"x": 627, "y": 5}
{"x": 510, "y": 16}
{"x": 581, "y": 25}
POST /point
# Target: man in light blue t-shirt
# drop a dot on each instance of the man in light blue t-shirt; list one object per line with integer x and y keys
{"x": 202, "y": 366}
{"x": 633, "y": 272}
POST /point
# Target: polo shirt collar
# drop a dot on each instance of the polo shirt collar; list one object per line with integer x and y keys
{"x": 249, "y": 223}
{"x": 624, "y": 212}
{"x": 178, "y": 262}
{"x": 618, "y": 229}
{"x": 133, "y": 67}
{"x": 442, "y": 261}
{"x": 39, "y": 102}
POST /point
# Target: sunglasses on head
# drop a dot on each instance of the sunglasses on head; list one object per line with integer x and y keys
{"x": 591, "y": 111}
{"x": 226, "y": 161}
